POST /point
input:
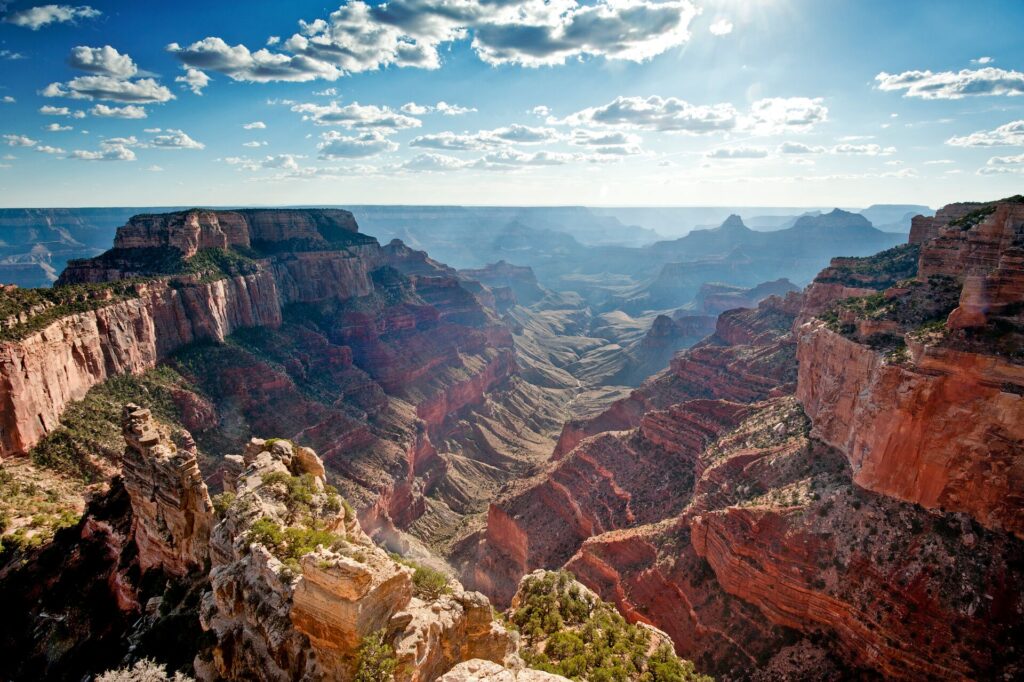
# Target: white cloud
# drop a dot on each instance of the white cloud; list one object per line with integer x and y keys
{"x": 109, "y": 153}
{"x": 540, "y": 110}
{"x": 414, "y": 109}
{"x": 105, "y": 61}
{"x": 939, "y": 162}
{"x": 486, "y": 139}
{"x": 1017, "y": 160}
{"x": 127, "y": 111}
{"x": 273, "y": 40}
{"x": 19, "y": 141}
{"x": 603, "y": 138}
{"x": 1009, "y": 135}
{"x": 172, "y": 138}
{"x": 7, "y": 99}
{"x": 261, "y": 66}
{"x": 56, "y": 128}
{"x": 194, "y": 79}
{"x": 37, "y": 17}
{"x": 47, "y": 110}
{"x": 781, "y": 114}
{"x": 11, "y": 55}
{"x": 982, "y": 60}
{"x": 430, "y": 161}
{"x": 334, "y": 145}
{"x": 141, "y": 91}
{"x": 356, "y": 115}
{"x": 721, "y": 27}
{"x": 511, "y": 158}
{"x": 359, "y": 37}
{"x": 738, "y": 153}
{"x": 254, "y": 143}
{"x": 863, "y": 149}
{"x": 800, "y": 148}
{"x": 953, "y": 84}
{"x": 446, "y": 109}
{"x": 255, "y": 125}
{"x": 658, "y": 113}
{"x": 155, "y": 169}
{"x": 326, "y": 92}
{"x": 46, "y": 149}
{"x": 442, "y": 107}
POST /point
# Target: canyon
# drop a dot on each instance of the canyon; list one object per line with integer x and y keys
{"x": 779, "y": 483}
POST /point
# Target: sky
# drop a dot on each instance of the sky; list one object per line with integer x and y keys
{"x": 492, "y": 102}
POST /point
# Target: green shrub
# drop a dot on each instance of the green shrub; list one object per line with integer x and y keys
{"x": 290, "y": 543}
{"x": 222, "y": 501}
{"x": 376, "y": 661}
{"x": 569, "y": 633}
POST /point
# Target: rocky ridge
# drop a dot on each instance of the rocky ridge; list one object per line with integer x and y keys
{"x": 805, "y": 550}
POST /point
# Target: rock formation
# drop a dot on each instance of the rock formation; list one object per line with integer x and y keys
{"x": 171, "y": 508}
{"x": 849, "y": 466}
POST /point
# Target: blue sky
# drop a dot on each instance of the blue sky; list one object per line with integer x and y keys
{"x": 601, "y": 102}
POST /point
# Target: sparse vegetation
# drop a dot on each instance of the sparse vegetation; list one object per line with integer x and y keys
{"x": 290, "y": 543}
{"x": 24, "y": 311}
{"x": 569, "y": 632}
{"x": 428, "y": 583}
{"x": 145, "y": 670}
{"x": 880, "y": 271}
{"x": 376, "y": 661}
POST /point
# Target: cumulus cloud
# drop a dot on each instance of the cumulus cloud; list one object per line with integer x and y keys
{"x": 665, "y": 114}
{"x": 1007, "y": 135}
{"x": 171, "y": 138}
{"x": 335, "y": 145}
{"x": 442, "y": 107}
{"x": 737, "y": 153}
{"x": 451, "y": 141}
{"x": 254, "y": 143}
{"x": 1006, "y": 161}
{"x": 356, "y": 115}
{"x": 486, "y": 139}
{"x": 721, "y": 27}
{"x": 255, "y": 125}
{"x": 261, "y": 66}
{"x": 863, "y": 149}
{"x": 112, "y": 150}
{"x": 140, "y": 91}
{"x": 105, "y": 61}
{"x": 953, "y": 84}
{"x": 46, "y": 149}
{"x": 56, "y": 128}
{"x": 194, "y": 80}
{"x": 800, "y": 148}
{"x": 326, "y": 92}
{"x": 127, "y": 111}
{"x": 11, "y": 55}
{"x": 7, "y": 99}
{"x": 37, "y": 17}
{"x": 601, "y": 138}
{"x": 360, "y": 37}
{"x": 47, "y": 110}
{"x": 669, "y": 114}
{"x": 432, "y": 162}
{"x": 511, "y": 158}
{"x": 19, "y": 141}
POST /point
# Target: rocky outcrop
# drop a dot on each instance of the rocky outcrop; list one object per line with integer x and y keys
{"x": 926, "y": 228}
{"x": 279, "y": 612}
{"x": 519, "y": 280}
{"x": 171, "y": 508}
{"x": 937, "y": 421}
{"x": 190, "y": 231}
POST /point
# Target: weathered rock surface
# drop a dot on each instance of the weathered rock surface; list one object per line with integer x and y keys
{"x": 171, "y": 509}
{"x": 486, "y": 671}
